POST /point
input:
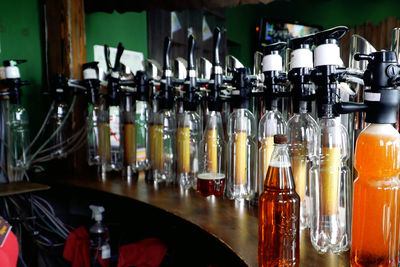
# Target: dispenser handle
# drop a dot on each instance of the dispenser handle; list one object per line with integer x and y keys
{"x": 167, "y": 51}
{"x": 302, "y": 42}
{"x": 360, "y": 56}
{"x": 335, "y": 33}
{"x": 279, "y": 46}
{"x": 107, "y": 57}
{"x": 191, "y": 48}
{"x": 120, "y": 50}
{"x": 217, "y": 42}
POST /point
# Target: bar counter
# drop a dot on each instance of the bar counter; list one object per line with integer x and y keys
{"x": 233, "y": 223}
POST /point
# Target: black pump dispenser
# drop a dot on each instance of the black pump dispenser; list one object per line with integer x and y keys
{"x": 60, "y": 87}
{"x": 383, "y": 76}
{"x": 274, "y": 80}
{"x": 113, "y": 86}
{"x": 142, "y": 83}
{"x": 214, "y": 100}
{"x": 327, "y": 76}
{"x": 242, "y": 82}
{"x": 166, "y": 97}
{"x": 91, "y": 83}
{"x": 300, "y": 77}
{"x": 191, "y": 99}
{"x": 13, "y": 80}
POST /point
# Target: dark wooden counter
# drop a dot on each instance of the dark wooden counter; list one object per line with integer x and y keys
{"x": 234, "y": 223}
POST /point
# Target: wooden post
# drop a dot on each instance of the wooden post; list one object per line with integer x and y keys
{"x": 65, "y": 35}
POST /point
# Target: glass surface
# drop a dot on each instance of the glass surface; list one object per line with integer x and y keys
{"x": 143, "y": 121}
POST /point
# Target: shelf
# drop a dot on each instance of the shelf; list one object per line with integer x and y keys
{"x": 235, "y": 224}
{"x": 21, "y": 188}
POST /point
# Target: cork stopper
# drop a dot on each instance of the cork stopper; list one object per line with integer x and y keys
{"x": 280, "y": 139}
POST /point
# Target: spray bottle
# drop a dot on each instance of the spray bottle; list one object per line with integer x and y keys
{"x": 189, "y": 127}
{"x": 303, "y": 130}
{"x": 92, "y": 83}
{"x": 17, "y": 122}
{"x": 211, "y": 177}
{"x": 330, "y": 182}
{"x": 100, "y": 251}
{"x": 164, "y": 157}
{"x": 272, "y": 122}
{"x": 242, "y": 148}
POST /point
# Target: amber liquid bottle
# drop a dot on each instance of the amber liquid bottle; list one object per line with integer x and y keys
{"x": 279, "y": 212}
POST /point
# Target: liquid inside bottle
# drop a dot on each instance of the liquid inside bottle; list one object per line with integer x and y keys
{"x": 271, "y": 123}
{"x": 143, "y": 134}
{"x": 187, "y": 148}
{"x": 93, "y": 135}
{"x": 376, "y": 209}
{"x": 279, "y": 211}
{"x": 211, "y": 177}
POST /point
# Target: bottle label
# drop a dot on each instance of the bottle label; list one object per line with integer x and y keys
{"x": 114, "y": 126}
{"x": 105, "y": 252}
{"x": 373, "y": 97}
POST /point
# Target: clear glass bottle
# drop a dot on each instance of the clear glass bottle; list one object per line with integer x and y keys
{"x": 376, "y": 209}
{"x": 329, "y": 187}
{"x": 303, "y": 132}
{"x": 279, "y": 210}
{"x": 164, "y": 156}
{"x": 56, "y": 119}
{"x": 242, "y": 153}
{"x": 129, "y": 134}
{"x": 211, "y": 177}
{"x": 143, "y": 133}
{"x": 188, "y": 137}
{"x": 18, "y": 141}
{"x": 271, "y": 123}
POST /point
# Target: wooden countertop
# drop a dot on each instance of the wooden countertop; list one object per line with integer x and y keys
{"x": 234, "y": 223}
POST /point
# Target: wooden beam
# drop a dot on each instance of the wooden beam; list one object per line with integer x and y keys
{"x": 65, "y": 35}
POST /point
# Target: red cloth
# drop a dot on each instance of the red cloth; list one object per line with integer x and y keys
{"x": 148, "y": 252}
{"x": 76, "y": 249}
{"x": 9, "y": 251}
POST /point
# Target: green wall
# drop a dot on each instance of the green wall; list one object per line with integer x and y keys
{"x": 130, "y": 28}
{"x": 242, "y": 20}
{"x": 20, "y": 38}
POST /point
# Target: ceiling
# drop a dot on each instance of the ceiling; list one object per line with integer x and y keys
{"x": 138, "y": 6}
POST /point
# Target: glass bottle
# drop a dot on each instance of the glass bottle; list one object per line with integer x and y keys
{"x": 375, "y": 239}
{"x": 188, "y": 138}
{"x": 303, "y": 134}
{"x": 271, "y": 123}
{"x": 211, "y": 177}
{"x": 164, "y": 146}
{"x": 242, "y": 153}
{"x": 92, "y": 83}
{"x": 329, "y": 187}
{"x": 129, "y": 134}
{"x": 18, "y": 141}
{"x": 279, "y": 211}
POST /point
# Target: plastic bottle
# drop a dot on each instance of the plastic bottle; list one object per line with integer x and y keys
{"x": 279, "y": 211}
{"x": 100, "y": 250}
{"x": 242, "y": 148}
{"x": 303, "y": 130}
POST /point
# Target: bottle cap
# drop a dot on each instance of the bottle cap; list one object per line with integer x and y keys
{"x": 280, "y": 139}
{"x": 97, "y": 212}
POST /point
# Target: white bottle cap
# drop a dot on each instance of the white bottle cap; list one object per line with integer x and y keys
{"x": 272, "y": 63}
{"x": 12, "y": 72}
{"x": 89, "y": 74}
{"x": 301, "y": 58}
{"x": 327, "y": 54}
{"x": 97, "y": 212}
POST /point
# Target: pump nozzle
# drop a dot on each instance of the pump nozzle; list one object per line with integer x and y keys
{"x": 13, "y": 62}
{"x": 90, "y": 70}
{"x": 97, "y": 212}
{"x": 274, "y": 48}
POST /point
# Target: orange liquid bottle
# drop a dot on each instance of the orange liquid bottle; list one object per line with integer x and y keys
{"x": 376, "y": 212}
{"x": 279, "y": 211}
